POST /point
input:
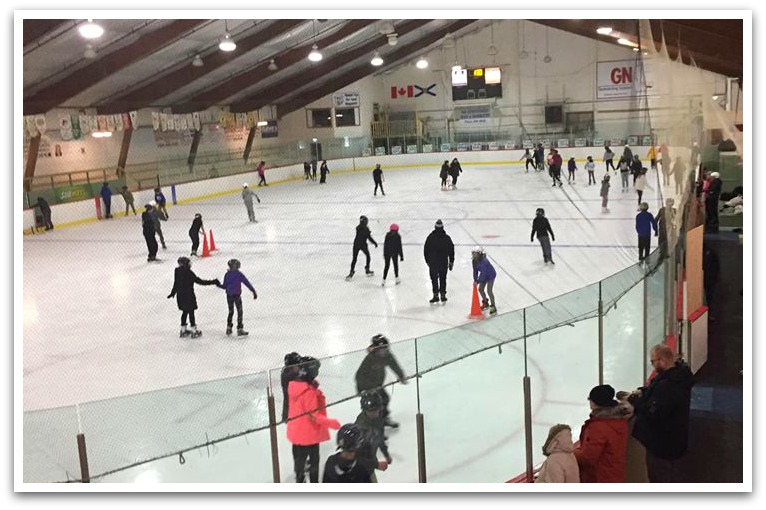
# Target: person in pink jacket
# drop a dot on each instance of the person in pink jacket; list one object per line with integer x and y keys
{"x": 307, "y": 422}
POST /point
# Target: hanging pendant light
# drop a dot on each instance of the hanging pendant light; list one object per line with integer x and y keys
{"x": 422, "y": 63}
{"x": 315, "y": 56}
{"x": 523, "y": 55}
{"x": 227, "y": 43}
{"x": 91, "y": 30}
{"x": 547, "y": 59}
{"x": 377, "y": 60}
{"x": 197, "y": 61}
{"x": 273, "y": 65}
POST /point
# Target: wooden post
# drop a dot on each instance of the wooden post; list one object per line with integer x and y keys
{"x": 273, "y": 434}
{"x": 84, "y": 471}
{"x": 29, "y": 170}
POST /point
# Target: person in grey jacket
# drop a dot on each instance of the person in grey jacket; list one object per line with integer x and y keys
{"x": 156, "y": 216}
{"x": 247, "y": 196}
{"x": 372, "y": 373}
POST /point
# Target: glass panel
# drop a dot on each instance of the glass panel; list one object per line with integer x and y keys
{"x": 473, "y": 411}
{"x": 50, "y": 445}
{"x": 656, "y": 310}
{"x": 624, "y": 341}
{"x": 563, "y": 309}
{"x": 613, "y": 287}
{"x": 563, "y": 367}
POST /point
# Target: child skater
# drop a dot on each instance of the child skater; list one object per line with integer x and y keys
{"x": 542, "y": 228}
{"x": 605, "y": 194}
{"x": 159, "y": 197}
{"x": 484, "y": 276}
{"x": 528, "y": 160}
{"x": 232, "y": 282}
{"x": 444, "y": 174}
{"x": 392, "y": 248}
{"x": 194, "y": 231}
{"x": 590, "y": 166}
{"x": 571, "y": 166}
{"x": 183, "y": 288}
{"x": 377, "y": 177}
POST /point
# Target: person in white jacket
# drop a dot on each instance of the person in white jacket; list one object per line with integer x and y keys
{"x": 561, "y": 464}
{"x": 640, "y": 185}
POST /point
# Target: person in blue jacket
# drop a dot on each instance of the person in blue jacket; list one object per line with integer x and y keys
{"x": 484, "y": 276}
{"x": 106, "y": 196}
{"x": 159, "y": 197}
{"x": 645, "y": 222}
{"x": 232, "y": 282}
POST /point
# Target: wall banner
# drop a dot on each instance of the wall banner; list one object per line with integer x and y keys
{"x": 619, "y": 79}
{"x": 346, "y": 99}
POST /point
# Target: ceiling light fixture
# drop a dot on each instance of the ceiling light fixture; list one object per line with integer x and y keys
{"x": 227, "y": 43}
{"x": 315, "y": 56}
{"x": 626, "y": 42}
{"x": 457, "y": 68}
{"x": 523, "y": 55}
{"x": 89, "y": 51}
{"x": 272, "y": 65}
{"x": 262, "y": 123}
{"x": 547, "y": 59}
{"x": 101, "y": 134}
{"x": 422, "y": 63}
{"x": 376, "y": 60}
{"x": 91, "y": 30}
{"x": 604, "y": 30}
{"x": 197, "y": 62}
{"x": 392, "y": 39}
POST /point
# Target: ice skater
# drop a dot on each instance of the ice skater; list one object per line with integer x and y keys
{"x": 345, "y": 466}
{"x": 624, "y": 174}
{"x": 608, "y": 158}
{"x": 232, "y": 282}
{"x": 484, "y": 275}
{"x": 289, "y": 373}
{"x": 323, "y": 171}
{"x": 314, "y": 169}
{"x": 455, "y": 170}
{"x": 605, "y": 194}
{"x": 377, "y": 177}
{"x": 640, "y": 184}
{"x": 147, "y": 225}
{"x": 439, "y": 252}
{"x": 196, "y": 228}
{"x": 247, "y": 197}
{"x": 106, "y": 196}
{"x": 444, "y": 174}
{"x": 370, "y": 422}
{"x": 392, "y": 249}
{"x": 183, "y": 288}
{"x": 159, "y": 198}
{"x": 157, "y": 218}
{"x": 571, "y": 167}
{"x": 128, "y": 197}
{"x": 542, "y": 228}
{"x": 371, "y": 373}
{"x": 590, "y": 166}
{"x": 262, "y": 173}
{"x": 45, "y": 211}
{"x": 555, "y": 163}
{"x": 528, "y": 160}
{"x": 360, "y": 244}
{"x": 306, "y": 170}
{"x": 645, "y": 222}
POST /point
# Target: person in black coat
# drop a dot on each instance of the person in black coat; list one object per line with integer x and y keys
{"x": 439, "y": 252}
{"x": 183, "y": 289}
{"x": 635, "y": 167}
{"x": 662, "y": 415}
{"x": 370, "y": 422}
{"x": 392, "y": 249}
{"x": 45, "y": 211}
{"x": 455, "y": 170}
{"x": 194, "y": 231}
{"x": 313, "y": 169}
{"x": 711, "y": 202}
{"x": 360, "y": 244}
{"x": 307, "y": 170}
{"x": 710, "y": 270}
{"x": 289, "y": 373}
{"x": 377, "y": 177}
{"x": 323, "y": 171}
{"x": 371, "y": 374}
{"x": 147, "y": 224}
{"x": 542, "y": 227}
{"x": 444, "y": 174}
{"x": 344, "y": 466}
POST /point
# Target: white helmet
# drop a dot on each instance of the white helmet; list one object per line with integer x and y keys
{"x": 478, "y": 249}
{"x": 244, "y": 185}
{"x": 153, "y": 203}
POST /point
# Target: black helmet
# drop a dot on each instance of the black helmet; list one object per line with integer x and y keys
{"x": 350, "y": 437}
{"x": 292, "y": 358}
{"x": 371, "y": 400}
{"x": 183, "y": 261}
{"x": 363, "y": 219}
{"x": 379, "y": 341}
{"x": 308, "y": 370}
{"x": 234, "y": 264}
{"x": 540, "y": 211}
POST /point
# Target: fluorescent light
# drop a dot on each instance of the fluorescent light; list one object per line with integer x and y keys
{"x": 339, "y": 115}
{"x": 604, "y": 30}
{"x": 315, "y": 56}
{"x": 625, "y": 42}
{"x": 227, "y": 43}
{"x": 376, "y": 60}
{"x": 101, "y": 134}
{"x": 262, "y": 123}
{"x": 422, "y": 63}
{"x": 91, "y": 30}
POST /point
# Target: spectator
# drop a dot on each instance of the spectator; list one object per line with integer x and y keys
{"x": 711, "y": 202}
{"x": 372, "y": 374}
{"x": 106, "y": 196}
{"x": 439, "y": 252}
{"x": 45, "y": 210}
{"x": 560, "y": 466}
{"x": 128, "y": 197}
{"x": 645, "y": 222}
{"x": 666, "y": 220}
{"x": 289, "y": 373}
{"x": 662, "y": 415}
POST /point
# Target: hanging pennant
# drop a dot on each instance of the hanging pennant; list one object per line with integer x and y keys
{"x": 134, "y": 119}
{"x": 40, "y": 123}
{"x": 31, "y": 128}
{"x": 118, "y": 122}
{"x": 163, "y": 121}
{"x": 156, "y": 121}
{"x": 110, "y": 123}
{"x": 93, "y": 121}
{"x": 177, "y": 121}
{"x": 189, "y": 121}
{"x": 101, "y": 123}
{"x": 75, "y": 122}
{"x": 197, "y": 122}
{"x": 171, "y": 122}
{"x": 65, "y": 125}
{"x": 251, "y": 120}
{"x": 183, "y": 126}
{"x": 126, "y": 124}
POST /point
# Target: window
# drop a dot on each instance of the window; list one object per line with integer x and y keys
{"x": 321, "y": 117}
{"x": 580, "y": 122}
{"x": 346, "y": 117}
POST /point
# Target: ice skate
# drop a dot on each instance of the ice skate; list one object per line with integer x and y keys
{"x": 368, "y": 272}
{"x": 184, "y": 332}
{"x": 398, "y": 281}
{"x": 193, "y": 254}
{"x": 492, "y": 310}
{"x": 242, "y": 332}
{"x": 350, "y": 275}
{"x": 553, "y": 262}
{"x": 383, "y": 283}
{"x": 195, "y": 333}
{"x": 444, "y": 298}
{"x": 484, "y": 304}
{"x": 164, "y": 246}
{"x": 228, "y": 330}
{"x": 434, "y": 299}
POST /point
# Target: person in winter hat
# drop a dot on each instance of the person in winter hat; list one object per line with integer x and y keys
{"x": 392, "y": 249}
{"x": 455, "y": 170}
{"x": 444, "y": 174}
{"x": 363, "y": 234}
{"x": 344, "y": 466}
{"x": 542, "y": 228}
{"x": 183, "y": 287}
{"x": 605, "y": 194}
{"x": 371, "y": 374}
{"x": 439, "y": 252}
{"x": 602, "y": 449}
{"x": 371, "y": 423}
{"x": 194, "y": 230}
{"x": 644, "y": 223}
{"x": 247, "y": 197}
{"x": 232, "y": 282}
{"x": 307, "y": 424}
{"x": 590, "y": 166}
{"x": 484, "y": 275}
{"x": 289, "y": 373}
{"x": 560, "y": 466}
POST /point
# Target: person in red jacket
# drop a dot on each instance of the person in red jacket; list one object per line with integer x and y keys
{"x": 601, "y": 454}
{"x": 307, "y": 423}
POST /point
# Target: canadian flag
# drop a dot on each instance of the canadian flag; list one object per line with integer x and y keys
{"x": 407, "y": 91}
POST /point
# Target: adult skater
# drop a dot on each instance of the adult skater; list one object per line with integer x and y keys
{"x": 627, "y": 153}
{"x": 371, "y": 423}
{"x": 196, "y": 228}
{"x": 306, "y": 170}
{"x": 232, "y": 283}
{"x": 635, "y": 167}
{"x": 555, "y": 167}
{"x": 652, "y": 156}
{"x": 106, "y": 196}
{"x": 439, "y": 252}
{"x": 308, "y": 423}
{"x": 590, "y": 166}
{"x": 360, "y": 244}
{"x": 183, "y": 288}
{"x": 392, "y": 248}
{"x": 608, "y": 158}
{"x": 128, "y": 197}
{"x": 484, "y": 275}
{"x": 444, "y": 174}
{"x": 157, "y": 217}
{"x": 45, "y": 211}
{"x": 640, "y": 184}
{"x": 528, "y": 160}
{"x": 571, "y": 167}
{"x": 313, "y": 169}
{"x": 377, "y": 177}
{"x": 289, "y": 373}
{"x": 161, "y": 201}
{"x": 624, "y": 167}
{"x": 605, "y": 194}
{"x": 323, "y": 171}
{"x": 371, "y": 374}
{"x": 455, "y": 170}
{"x": 247, "y": 197}
{"x": 344, "y": 466}
{"x": 147, "y": 225}
{"x": 261, "y": 169}
{"x": 540, "y": 157}
{"x": 542, "y": 228}
{"x": 645, "y": 222}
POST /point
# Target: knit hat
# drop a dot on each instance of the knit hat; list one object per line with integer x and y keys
{"x": 552, "y": 434}
{"x": 602, "y": 396}
{"x": 394, "y": 226}
{"x": 439, "y": 224}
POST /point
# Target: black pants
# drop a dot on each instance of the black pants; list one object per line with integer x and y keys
{"x": 307, "y": 173}
{"x": 711, "y": 213}
{"x": 571, "y": 175}
{"x": 232, "y": 302}
{"x": 378, "y": 183}
{"x": 300, "y": 454}
{"x": 322, "y": 177}
{"x": 190, "y": 314}
{"x": 195, "y": 241}
{"x": 609, "y": 163}
{"x": 129, "y": 205}
{"x": 529, "y": 162}
{"x": 454, "y": 180}
{"x": 640, "y": 194}
{"x": 389, "y": 259}
{"x": 263, "y": 180}
{"x": 108, "y": 206}
{"x": 444, "y": 181}
{"x": 591, "y": 177}
{"x": 662, "y": 470}
{"x": 151, "y": 245}
{"x": 438, "y": 279}
{"x": 158, "y": 230}
{"x": 47, "y": 220}
{"x": 556, "y": 175}
{"x": 644, "y": 243}
{"x": 366, "y": 252}
{"x": 163, "y": 209}
{"x": 313, "y": 174}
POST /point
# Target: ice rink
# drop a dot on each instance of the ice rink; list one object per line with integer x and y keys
{"x": 97, "y": 323}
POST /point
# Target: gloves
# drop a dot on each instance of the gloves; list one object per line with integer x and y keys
{"x": 218, "y": 282}
{"x": 334, "y": 424}
{"x": 402, "y": 259}
{"x": 255, "y": 295}
{"x": 258, "y": 199}
{"x": 389, "y": 460}
{"x": 376, "y": 245}
{"x": 382, "y": 465}
{"x": 553, "y": 238}
{"x": 450, "y": 267}
{"x": 170, "y": 296}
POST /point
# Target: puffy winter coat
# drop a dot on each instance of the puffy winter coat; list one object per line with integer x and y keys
{"x": 604, "y": 188}
{"x": 183, "y": 287}
{"x": 483, "y": 271}
{"x": 372, "y": 371}
{"x": 561, "y": 464}
{"x": 392, "y": 246}
{"x": 603, "y": 446}
{"x": 640, "y": 183}
{"x": 439, "y": 251}
{"x": 307, "y": 406}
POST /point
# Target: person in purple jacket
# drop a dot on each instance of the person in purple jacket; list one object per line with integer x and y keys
{"x": 484, "y": 276}
{"x": 232, "y": 282}
{"x": 645, "y": 222}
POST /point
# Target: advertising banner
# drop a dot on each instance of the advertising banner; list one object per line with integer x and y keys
{"x": 619, "y": 79}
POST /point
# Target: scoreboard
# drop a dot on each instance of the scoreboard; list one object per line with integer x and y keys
{"x": 476, "y": 83}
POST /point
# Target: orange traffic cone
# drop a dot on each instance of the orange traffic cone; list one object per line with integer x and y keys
{"x": 212, "y": 241}
{"x": 205, "y": 249}
{"x": 476, "y": 312}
